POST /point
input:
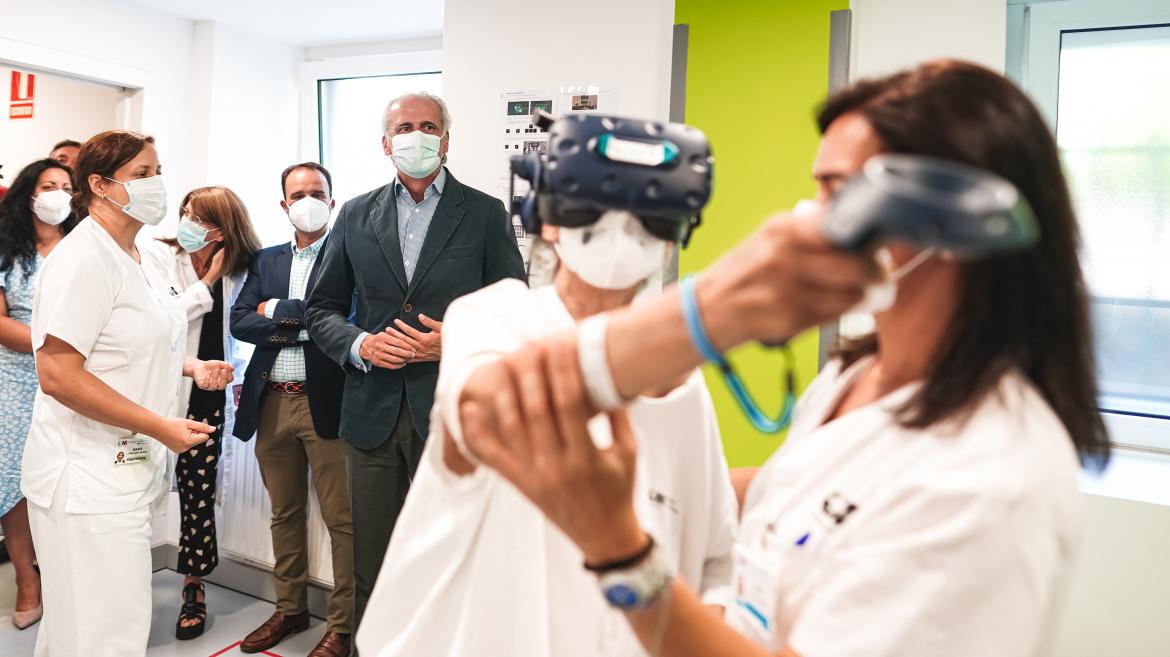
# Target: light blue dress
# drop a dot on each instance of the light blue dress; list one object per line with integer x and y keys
{"x": 18, "y": 384}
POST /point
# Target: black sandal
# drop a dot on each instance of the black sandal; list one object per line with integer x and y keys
{"x": 192, "y": 610}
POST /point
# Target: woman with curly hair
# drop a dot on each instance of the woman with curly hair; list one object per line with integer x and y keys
{"x": 34, "y": 216}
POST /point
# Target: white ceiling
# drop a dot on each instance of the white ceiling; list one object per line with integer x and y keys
{"x": 314, "y": 22}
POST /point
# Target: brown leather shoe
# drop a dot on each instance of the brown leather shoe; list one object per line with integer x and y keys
{"x": 274, "y": 630}
{"x": 333, "y": 645}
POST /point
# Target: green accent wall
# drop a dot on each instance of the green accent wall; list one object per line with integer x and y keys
{"x": 756, "y": 71}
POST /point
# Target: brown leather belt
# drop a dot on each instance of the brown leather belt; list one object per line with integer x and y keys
{"x": 292, "y": 387}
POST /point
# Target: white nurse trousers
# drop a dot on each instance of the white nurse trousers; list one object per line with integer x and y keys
{"x": 95, "y": 580}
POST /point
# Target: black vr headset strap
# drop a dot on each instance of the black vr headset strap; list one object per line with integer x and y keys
{"x": 689, "y": 227}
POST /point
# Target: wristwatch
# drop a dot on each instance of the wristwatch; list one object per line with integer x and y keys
{"x": 636, "y": 583}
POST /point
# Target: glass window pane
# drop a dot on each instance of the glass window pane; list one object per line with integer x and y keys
{"x": 351, "y": 128}
{"x": 1114, "y": 136}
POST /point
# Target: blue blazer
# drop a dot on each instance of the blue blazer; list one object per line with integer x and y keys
{"x": 268, "y": 278}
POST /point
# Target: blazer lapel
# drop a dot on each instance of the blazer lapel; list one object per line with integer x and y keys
{"x": 448, "y": 214}
{"x": 384, "y": 220}
{"x": 317, "y": 264}
{"x": 283, "y": 266}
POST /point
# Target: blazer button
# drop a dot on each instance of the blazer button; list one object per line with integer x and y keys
{"x": 407, "y": 308}
{"x": 264, "y": 375}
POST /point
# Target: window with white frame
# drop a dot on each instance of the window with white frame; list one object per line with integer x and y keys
{"x": 1101, "y": 72}
{"x": 350, "y": 115}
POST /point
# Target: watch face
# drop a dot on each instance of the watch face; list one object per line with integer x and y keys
{"x": 621, "y": 596}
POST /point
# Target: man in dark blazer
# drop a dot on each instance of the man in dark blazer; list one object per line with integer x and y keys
{"x": 292, "y": 395}
{"x": 406, "y": 250}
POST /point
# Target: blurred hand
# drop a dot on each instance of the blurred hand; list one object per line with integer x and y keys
{"x": 385, "y": 350}
{"x": 530, "y": 426}
{"x": 783, "y": 279}
{"x": 212, "y": 374}
{"x": 215, "y": 270}
{"x": 426, "y": 346}
{"x": 180, "y": 435}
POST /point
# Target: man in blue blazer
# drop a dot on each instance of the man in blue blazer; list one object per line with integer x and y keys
{"x": 292, "y": 400}
{"x": 407, "y": 250}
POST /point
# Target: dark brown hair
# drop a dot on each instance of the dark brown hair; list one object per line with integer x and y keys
{"x": 305, "y": 165}
{"x": 1027, "y": 310}
{"x": 64, "y": 143}
{"x": 220, "y": 207}
{"x": 103, "y": 154}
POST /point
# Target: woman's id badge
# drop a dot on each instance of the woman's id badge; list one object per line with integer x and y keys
{"x": 755, "y": 590}
{"x": 131, "y": 450}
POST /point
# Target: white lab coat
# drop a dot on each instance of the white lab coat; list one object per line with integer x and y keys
{"x": 862, "y": 537}
{"x": 174, "y": 266}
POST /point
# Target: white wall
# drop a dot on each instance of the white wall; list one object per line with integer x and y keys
{"x": 223, "y": 105}
{"x": 56, "y": 117}
{"x": 508, "y": 45}
{"x": 889, "y": 35}
{"x": 374, "y": 48}
{"x": 115, "y": 35}
{"x": 252, "y": 108}
{"x": 1121, "y": 590}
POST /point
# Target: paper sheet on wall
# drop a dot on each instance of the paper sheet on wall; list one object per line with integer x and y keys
{"x": 519, "y": 134}
{"x": 587, "y": 99}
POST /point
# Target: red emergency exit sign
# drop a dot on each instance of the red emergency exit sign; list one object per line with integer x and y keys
{"x": 20, "y": 101}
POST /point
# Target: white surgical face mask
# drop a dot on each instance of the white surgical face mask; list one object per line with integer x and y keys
{"x": 416, "y": 154}
{"x": 52, "y": 207}
{"x": 148, "y": 199}
{"x": 191, "y": 236}
{"x": 880, "y": 297}
{"x": 616, "y": 253}
{"x": 309, "y": 214}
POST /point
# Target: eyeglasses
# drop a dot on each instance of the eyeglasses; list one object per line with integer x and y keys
{"x": 194, "y": 218}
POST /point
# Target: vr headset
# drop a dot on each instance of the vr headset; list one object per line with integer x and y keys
{"x": 662, "y": 173}
{"x": 931, "y": 202}
{"x": 659, "y": 172}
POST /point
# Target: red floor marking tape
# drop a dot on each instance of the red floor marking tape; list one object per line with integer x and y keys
{"x": 226, "y": 649}
{"x": 237, "y": 643}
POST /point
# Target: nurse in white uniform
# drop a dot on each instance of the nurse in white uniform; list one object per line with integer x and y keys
{"x": 109, "y": 346}
{"x": 473, "y": 568}
{"x": 925, "y": 503}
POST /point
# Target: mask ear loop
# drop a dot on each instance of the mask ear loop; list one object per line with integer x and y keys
{"x": 913, "y": 263}
{"x": 106, "y": 197}
{"x": 759, "y": 419}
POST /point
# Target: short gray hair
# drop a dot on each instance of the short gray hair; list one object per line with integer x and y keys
{"x": 417, "y": 94}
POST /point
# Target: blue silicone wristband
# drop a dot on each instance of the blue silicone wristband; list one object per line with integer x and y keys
{"x": 694, "y": 322}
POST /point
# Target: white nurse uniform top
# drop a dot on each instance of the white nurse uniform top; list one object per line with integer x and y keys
{"x": 475, "y": 569}
{"x": 860, "y": 537}
{"x": 95, "y": 297}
